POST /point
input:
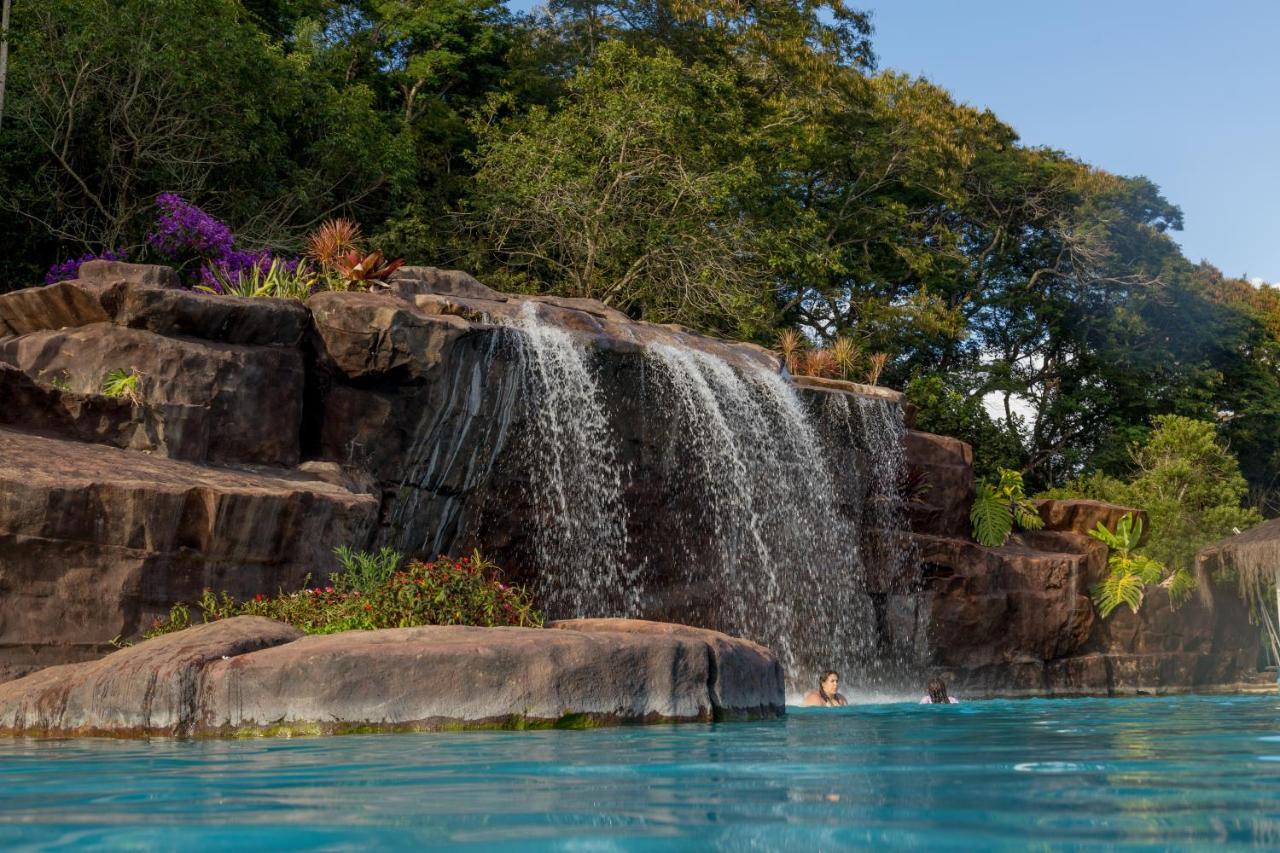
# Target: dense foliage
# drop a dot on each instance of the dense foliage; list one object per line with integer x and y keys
{"x": 1189, "y": 483}
{"x": 374, "y": 591}
{"x": 1129, "y": 573}
{"x": 741, "y": 168}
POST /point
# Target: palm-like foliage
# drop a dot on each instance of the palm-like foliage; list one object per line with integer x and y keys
{"x": 1129, "y": 572}
{"x": 998, "y": 506}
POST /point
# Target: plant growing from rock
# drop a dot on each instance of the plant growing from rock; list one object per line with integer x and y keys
{"x": 122, "y": 384}
{"x": 281, "y": 279}
{"x": 998, "y": 505}
{"x": 791, "y": 346}
{"x": 372, "y": 591}
{"x": 1129, "y": 573}
{"x": 845, "y": 353}
{"x": 360, "y": 270}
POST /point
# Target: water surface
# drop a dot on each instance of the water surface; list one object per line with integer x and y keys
{"x": 1067, "y": 774}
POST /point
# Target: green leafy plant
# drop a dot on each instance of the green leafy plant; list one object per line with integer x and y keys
{"x": 362, "y": 571}
{"x": 279, "y": 280}
{"x": 372, "y": 591}
{"x": 1129, "y": 573}
{"x": 998, "y": 505}
{"x": 122, "y": 384}
{"x": 62, "y": 382}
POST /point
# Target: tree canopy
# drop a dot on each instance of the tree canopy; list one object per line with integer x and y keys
{"x": 742, "y": 168}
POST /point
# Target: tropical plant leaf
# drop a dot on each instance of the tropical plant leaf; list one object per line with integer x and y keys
{"x": 991, "y": 517}
{"x": 1028, "y": 517}
{"x": 1117, "y": 589}
{"x": 1181, "y": 585}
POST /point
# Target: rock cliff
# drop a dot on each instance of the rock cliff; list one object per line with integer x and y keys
{"x": 262, "y": 433}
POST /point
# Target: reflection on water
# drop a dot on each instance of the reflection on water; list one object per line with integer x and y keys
{"x": 1178, "y": 771}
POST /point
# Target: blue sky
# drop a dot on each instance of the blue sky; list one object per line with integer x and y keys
{"x": 1186, "y": 93}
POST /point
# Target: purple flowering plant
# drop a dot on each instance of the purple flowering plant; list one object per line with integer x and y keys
{"x": 190, "y": 237}
{"x": 70, "y": 268}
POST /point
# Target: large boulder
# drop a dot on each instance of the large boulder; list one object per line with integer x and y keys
{"x": 201, "y": 400}
{"x": 249, "y": 675}
{"x": 96, "y": 542}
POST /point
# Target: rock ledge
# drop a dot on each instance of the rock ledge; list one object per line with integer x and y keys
{"x": 251, "y": 676}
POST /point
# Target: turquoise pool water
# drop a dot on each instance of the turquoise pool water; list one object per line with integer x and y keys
{"x": 1181, "y": 772}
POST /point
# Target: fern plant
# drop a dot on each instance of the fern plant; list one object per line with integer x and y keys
{"x": 998, "y": 506}
{"x": 1129, "y": 573}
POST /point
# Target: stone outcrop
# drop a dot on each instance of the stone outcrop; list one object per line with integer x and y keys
{"x": 266, "y": 432}
{"x": 250, "y": 675}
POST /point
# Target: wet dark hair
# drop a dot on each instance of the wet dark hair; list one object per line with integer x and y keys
{"x": 828, "y": 698}
{"x": 938, "y": 691}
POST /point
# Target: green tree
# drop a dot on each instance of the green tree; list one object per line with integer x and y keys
{"x": 631, "y": 193}
{"x": 1189, "y": 483}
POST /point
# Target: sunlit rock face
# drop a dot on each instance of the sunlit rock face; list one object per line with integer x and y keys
{"x": 618, "y": 468}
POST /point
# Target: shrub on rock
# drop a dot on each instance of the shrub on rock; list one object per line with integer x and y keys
{"x": 373, "y": 592}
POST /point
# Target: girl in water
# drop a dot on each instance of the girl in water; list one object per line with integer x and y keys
{"x": 827, "y": 695}
{"x": 938, "y": 694}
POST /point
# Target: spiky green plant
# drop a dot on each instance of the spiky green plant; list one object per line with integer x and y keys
{"x": 363, "y": 571}
{"x": 875, "y": 366}
{"x": 998, "y": 506}
{"x": 1128, "y": 572}
{"x": 845, "y": 352}
{"x": 276, "y": 281}
{"x": 791, "y": 346}
{"x": 122, "y": 384}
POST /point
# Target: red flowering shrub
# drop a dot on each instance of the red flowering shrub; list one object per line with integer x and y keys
{"x": 468, "y": 591}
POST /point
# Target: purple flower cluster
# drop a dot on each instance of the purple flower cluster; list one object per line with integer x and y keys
{"x": 183, "y": 230}
{"x": 185, "y": 233}
{"x": 70, "y": 268}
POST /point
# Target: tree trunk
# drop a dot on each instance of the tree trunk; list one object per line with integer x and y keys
{"x": 4, "y": 54}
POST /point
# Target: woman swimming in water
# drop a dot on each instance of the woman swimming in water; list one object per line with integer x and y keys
{"x": 938, "y": 694}
{"x": 827, "y": 695}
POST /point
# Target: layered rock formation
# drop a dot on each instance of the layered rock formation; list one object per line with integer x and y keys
{"x": 254, "y": 676}
{"x": 1018, "y": 620}
{"x": 264, "y": 433}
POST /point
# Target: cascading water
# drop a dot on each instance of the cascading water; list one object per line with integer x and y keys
{"x": 765, "y": 522}
{"x": 574, "y": 479}
{"x": 694, "y": 490}
{"x": 871, "y": 433}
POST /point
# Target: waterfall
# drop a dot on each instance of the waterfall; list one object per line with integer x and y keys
{"x": 682, "y": 487}
{"x": 574, "y": 478}
{"x": 743, "y": 451}
{"x": 870, "y": 433}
